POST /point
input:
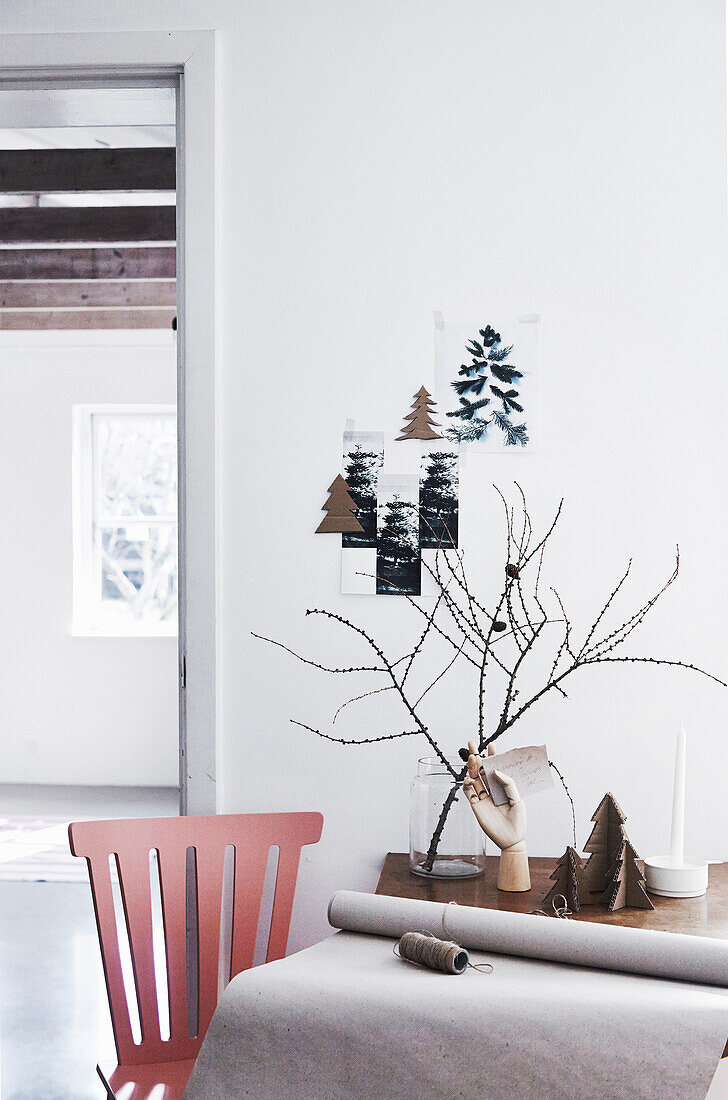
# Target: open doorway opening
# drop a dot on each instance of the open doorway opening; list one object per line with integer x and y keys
{"x": 88, "y": 485}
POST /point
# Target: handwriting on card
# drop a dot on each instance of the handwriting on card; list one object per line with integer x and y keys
{"x": 528, "y": 768}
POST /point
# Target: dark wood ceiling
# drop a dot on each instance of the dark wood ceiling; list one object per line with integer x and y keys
{"x": 90, "y": 266}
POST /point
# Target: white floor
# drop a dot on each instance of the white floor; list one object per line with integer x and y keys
{"x": 88, "y": 802}
{"x": 54, "y": 1018}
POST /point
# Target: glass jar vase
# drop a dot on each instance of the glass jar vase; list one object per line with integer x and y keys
{"x": 434, "y": 795}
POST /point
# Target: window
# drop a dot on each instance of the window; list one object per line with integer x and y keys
{"x": 125, "y": 520}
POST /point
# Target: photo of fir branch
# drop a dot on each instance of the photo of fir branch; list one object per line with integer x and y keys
{"x": 494, "y": 638}
{"x": 488, "y": 397}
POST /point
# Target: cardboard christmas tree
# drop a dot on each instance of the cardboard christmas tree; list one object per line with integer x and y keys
{"x": 570, "y": 883}
{"x": 421, "y": 426}
{"x": 627, "y": 885}
{"x": 339, "y": 510}
{"x": 604, "y": 844}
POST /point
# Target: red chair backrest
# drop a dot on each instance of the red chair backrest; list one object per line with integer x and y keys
{"x": 252, "y": 836}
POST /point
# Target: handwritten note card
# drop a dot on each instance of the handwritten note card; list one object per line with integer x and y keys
{"x": 528, "y": 768}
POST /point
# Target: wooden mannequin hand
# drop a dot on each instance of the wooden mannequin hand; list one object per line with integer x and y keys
{"x": 505, "y": 825}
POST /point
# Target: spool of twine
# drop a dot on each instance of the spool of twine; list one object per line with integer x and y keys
{"x": 424, "y": 949}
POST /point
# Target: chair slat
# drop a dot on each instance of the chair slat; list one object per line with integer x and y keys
{"x": 103, "y": 899}
{"x": 250, "y": 868}
{"x": 283, "y": 901}
{"x": 136, "y": 897}
{"x": 172, "y": 881}
{"x": 210, "y": 864}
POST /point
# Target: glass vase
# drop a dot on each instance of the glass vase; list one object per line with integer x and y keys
{"x": 460, "y": 850}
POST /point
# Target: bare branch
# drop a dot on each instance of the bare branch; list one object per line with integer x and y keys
{"x": 568, "y": 795}
{"x": 604, "y": 610}
{"x": 348, "y": 741}
{"x": 469, "y": 628}
{"x": 447, "y": 668}
{"x": 315, "y": 664}
{"x": 622, "y": 632}
{"x": 548, "y": 534}
{"x": 356, "y": 698}
{"x": 423, "y": 636}
{"x": 566, "y": 643}
{"x": 653, "y": 661}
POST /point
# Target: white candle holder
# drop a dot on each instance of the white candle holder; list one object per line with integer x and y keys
{"x": 688, "y": 880}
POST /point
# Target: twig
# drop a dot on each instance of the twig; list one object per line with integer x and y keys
{"x": 315, "y": 664}
{"x": 654, "y": 661}
{"x": 356, "y": 698}
{"x": 349, "y": 741}
{"x": 568, "y": 795}
{"x": 446, "y": 669}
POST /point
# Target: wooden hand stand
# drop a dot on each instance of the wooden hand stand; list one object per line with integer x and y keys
{"x": 513, "y": 872}
{"x": 505, "y": 825}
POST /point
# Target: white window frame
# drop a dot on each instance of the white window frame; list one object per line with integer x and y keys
{"x": 88, "y": 616}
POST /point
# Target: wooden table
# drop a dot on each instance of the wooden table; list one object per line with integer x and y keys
{"x": 706, "y": 916}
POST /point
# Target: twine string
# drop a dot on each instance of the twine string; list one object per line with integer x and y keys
{"x": 426, "y": 949}
{"x": 562, "y": 911}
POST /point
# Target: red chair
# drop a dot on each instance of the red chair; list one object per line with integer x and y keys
{"x": 157, "y": 1067}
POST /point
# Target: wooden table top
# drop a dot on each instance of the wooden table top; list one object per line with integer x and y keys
{"x": 706, "y": 916}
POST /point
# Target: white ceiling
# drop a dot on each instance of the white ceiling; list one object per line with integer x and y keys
{"x": 61, "y": 107}
{"x": 87, "y": 118}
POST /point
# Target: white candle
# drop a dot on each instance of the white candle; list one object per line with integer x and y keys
{"x": 677, "y": 833}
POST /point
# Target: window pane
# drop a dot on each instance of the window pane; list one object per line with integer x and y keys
{"x": 137, "y": 459}
{"x": 139, "y": 571}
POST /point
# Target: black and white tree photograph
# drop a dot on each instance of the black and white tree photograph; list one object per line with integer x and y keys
{"x": 398, "y": 551}
{"x": 363, "y": 460}
{"x": 487, "y": 383}
{"x": 439, "y": 484}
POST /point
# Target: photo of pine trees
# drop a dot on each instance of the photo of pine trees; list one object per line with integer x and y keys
{"x": 438, "y": 504}
{"x": 363, "y": 460}
{"x": 398, "y": 550}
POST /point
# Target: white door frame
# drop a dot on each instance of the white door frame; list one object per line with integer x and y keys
{"x": 102, "y": 59}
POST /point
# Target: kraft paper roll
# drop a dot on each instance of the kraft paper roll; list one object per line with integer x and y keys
{"x": 606, "y": 947}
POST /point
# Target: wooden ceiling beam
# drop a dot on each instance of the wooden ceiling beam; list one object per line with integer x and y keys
{"x": 78, "y": 294}
{"x": 86, "y": 224}
{"x": 88, "y": 263}
{"x": 48, "y": 170}
{"x": 86, "y": 319}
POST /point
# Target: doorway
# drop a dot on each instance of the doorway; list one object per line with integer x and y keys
{"x": 89, "y": 484}
{"x": 185, "y": 60}
{"x": 71, "y": 1010}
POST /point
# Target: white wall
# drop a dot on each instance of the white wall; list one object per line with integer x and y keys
{"x": 74, "y": 710}
{"x": 381, "y": 159}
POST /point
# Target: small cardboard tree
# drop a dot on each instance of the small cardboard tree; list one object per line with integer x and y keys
{"x": 340, "y": 510}
{"x": 421, "y": 426}
{"x": 627, "y": 885}
{"x": 604, "y": 844}
{"x": 569, "y": 882}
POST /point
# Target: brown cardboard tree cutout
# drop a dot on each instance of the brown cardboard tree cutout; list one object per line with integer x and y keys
{"x": 340, "y": 510}
{"x": 604, "y": 843}
{"x": 421, "y": 426}
{"x": 627, "y": 885}
{"x": 570, "y": 883}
